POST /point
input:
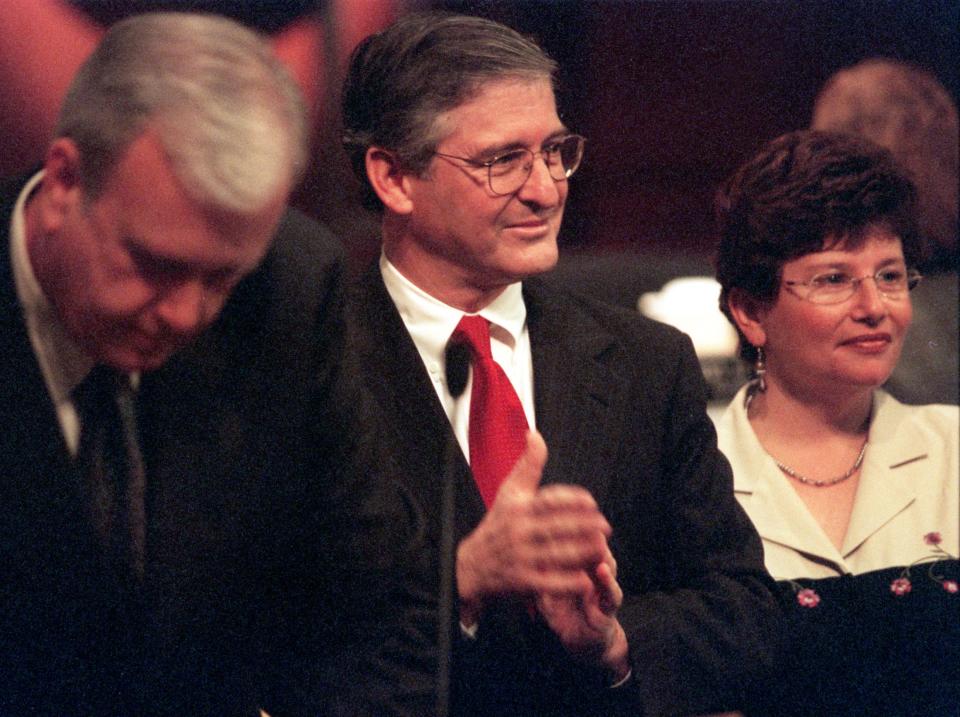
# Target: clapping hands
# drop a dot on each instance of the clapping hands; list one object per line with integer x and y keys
{"x": 549, "y": 545}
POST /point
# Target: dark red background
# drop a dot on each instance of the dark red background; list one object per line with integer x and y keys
{"x": 671, "y": 95}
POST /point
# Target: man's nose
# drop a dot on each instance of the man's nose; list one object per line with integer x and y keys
{"x": 182, "y": 307}
{"x": 540, "y": 188}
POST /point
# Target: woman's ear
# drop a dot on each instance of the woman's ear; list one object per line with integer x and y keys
{"x": 388, "y": 180}
{"x": 749, "y": 313}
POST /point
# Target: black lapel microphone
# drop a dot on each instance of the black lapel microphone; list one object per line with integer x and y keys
{"x": 457, "y": 361}
{"x": 457, "y": 367}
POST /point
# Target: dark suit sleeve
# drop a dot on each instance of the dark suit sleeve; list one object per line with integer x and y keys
{"x": 383, "y": 659}
{"x": 344, "y": 535}
{"x": 621, "y": 403}
{"x": 700, "y": 616}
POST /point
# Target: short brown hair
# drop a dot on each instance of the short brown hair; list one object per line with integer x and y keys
{"x": 401, "y": 79}
{"x": 801, "y": 190}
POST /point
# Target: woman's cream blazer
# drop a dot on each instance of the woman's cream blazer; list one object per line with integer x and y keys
{"x": 909, "y": 487}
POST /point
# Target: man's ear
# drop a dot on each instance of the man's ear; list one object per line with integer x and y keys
{"x": 749, "y": 313}
{"x": 61, "y": 190}
{"x": 388, "y": 180}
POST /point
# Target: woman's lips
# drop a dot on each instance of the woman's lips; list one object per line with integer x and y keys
{"x": 869, "y": 343}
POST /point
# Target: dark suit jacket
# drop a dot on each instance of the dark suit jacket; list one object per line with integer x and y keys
{"x": 620, "y": 403}
{"x": 252, "y": 516}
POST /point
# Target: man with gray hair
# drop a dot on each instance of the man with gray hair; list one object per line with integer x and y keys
{"x": 619, "y": 577}
{"x": 179, "y": 531}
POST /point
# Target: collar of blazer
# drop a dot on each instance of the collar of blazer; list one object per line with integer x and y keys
{"x": 893, "y": 469}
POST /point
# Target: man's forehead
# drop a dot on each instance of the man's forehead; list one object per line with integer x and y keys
{"x": 500, "y": 107}
{"x": 496, "y": 83}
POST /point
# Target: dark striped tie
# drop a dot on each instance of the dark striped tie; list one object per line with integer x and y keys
{"x": 110, "y": 457}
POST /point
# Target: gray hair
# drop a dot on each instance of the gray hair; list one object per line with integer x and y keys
{"x": 907, "y": 111}
{"x": 402, "y": 79}
{"x": 229, "y": 116}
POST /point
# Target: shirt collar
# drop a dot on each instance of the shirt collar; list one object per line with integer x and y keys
{"x": 431, "y": 322}
{"x": 63, "y": 362}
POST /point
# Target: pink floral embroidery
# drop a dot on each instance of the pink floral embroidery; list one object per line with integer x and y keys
{"x": 900, "y": 586}
{"x": 807, "y": 597}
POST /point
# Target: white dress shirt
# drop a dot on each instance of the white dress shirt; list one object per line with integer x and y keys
{"x": 63, "y": 363}
{"x": 430, "y": 323}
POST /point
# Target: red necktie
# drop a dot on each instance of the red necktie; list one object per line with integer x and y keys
{"x": 498, "y": 426}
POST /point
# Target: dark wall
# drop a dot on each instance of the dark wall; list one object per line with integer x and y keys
{"x": 673, "y": 95}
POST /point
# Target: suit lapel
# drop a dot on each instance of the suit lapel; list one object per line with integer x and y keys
{"x": 895, "y": 466}
{"x": 580, "y": 400}
{"x": 777, "y": 512}
{"x": 31, "y": 430}
{"x": 418, "y": 429}
{"x": 31, "y": 423}
{"x": 42, "y": 487}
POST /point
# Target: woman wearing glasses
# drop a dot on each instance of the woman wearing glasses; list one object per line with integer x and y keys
{"x": 818, "y": 241}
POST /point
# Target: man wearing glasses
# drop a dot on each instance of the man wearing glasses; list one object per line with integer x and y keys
{"x": 619, "y": 576}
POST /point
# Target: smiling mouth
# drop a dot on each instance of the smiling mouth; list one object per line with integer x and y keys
{"x": 537, "y": 226}
{"x": 871, "y": 342}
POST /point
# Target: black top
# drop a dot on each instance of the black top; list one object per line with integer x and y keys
{"x": 869, "y": 645}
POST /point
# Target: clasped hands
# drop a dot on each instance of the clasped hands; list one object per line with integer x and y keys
{"x": 547, "y": 545}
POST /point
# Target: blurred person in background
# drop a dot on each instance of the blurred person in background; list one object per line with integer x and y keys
{"x": 182, "y": 530}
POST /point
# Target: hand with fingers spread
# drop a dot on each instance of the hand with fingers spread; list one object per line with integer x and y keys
{"x": 587, "y": 624}
{"x": 532, "y": 540}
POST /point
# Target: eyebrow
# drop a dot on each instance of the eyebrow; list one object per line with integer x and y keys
{"x": 142, "y": 253}
{"x": 496, "y": 149}
{"x": 839, "y": 263}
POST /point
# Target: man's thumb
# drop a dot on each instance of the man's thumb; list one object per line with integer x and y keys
{"x": 527, "y": 471}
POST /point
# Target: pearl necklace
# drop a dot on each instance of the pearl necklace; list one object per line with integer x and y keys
{"x": 823, "y": 483}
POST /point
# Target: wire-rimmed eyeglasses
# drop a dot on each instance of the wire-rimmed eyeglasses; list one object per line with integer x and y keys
{"x": 834, "y": 287}
{"x": 509, "y": 171}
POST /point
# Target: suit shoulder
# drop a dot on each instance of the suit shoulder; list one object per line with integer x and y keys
{"x": 304, "y": 239}
{"x": 940, "y": 419}
{"x": 303, "y": 270}
{"x": 629, "y": 325}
